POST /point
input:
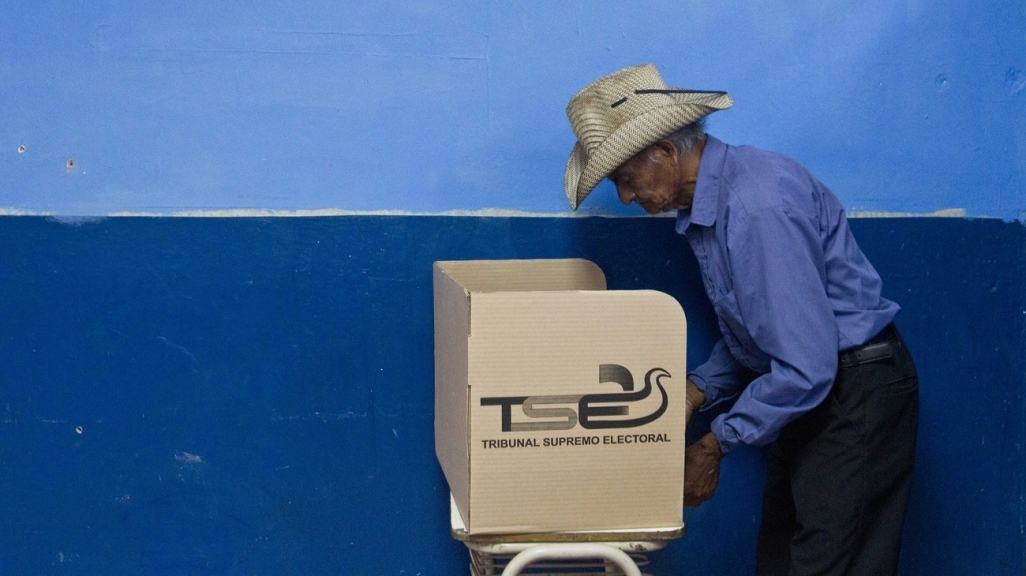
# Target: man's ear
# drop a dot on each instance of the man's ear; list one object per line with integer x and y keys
{"x": 663, "y": 149}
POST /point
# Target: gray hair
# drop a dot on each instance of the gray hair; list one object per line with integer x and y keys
{"x": 684, "y": 138}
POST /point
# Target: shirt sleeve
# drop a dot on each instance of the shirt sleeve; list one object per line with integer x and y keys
{"x": 777, "y": 265}
{"x": 721, "y": 377}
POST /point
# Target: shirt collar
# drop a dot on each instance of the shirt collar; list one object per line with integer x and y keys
{"x": 707, "y": 189}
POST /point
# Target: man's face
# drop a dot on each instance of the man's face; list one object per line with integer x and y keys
{"x": 652, "y": 179}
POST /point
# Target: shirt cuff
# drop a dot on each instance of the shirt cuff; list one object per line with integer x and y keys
{"x": 725, "y": 435}
{"x": 713, "y": 395}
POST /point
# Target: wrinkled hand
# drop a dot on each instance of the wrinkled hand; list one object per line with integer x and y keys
{"x": 693, "y": 400}
{"x": 701, "y": 470}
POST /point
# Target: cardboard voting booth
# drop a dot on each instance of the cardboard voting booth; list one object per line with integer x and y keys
{"x": 559, "y": 405}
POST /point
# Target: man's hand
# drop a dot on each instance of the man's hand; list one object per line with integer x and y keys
{"x": 693, "y": 400}
{"x": 701, "y": 470}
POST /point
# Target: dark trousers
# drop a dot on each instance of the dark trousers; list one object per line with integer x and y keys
{"x": 839, "y": 477}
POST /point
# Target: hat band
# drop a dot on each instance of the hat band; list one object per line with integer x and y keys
{"x": 677, "y": 91}
{"x": 668, "y": 91}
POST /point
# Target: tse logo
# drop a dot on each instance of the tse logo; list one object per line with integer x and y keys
{"x": 589, "y": 406}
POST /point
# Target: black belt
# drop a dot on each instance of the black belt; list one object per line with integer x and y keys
{"x": 877, "y": 348}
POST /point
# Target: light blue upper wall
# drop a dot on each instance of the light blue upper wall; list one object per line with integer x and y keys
{"x": 428, "y": 106}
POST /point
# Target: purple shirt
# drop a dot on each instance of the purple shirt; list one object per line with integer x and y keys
{"x": 789, "y": 285}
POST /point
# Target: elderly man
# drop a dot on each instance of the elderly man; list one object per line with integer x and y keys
{"x": 808, "y": 354}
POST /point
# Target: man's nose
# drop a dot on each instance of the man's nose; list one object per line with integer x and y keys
{"x": 625, "y": 196}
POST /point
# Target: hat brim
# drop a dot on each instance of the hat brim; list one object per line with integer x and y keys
{"x": 585, "y": 171}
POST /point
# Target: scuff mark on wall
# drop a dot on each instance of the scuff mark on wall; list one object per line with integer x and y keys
{"x": 323, "y": 417}
{"x": 181, "y": 349}
{"x": 76, "y": 220}
{"x": 947, "y": 213}
{"x": 187, "y": 458}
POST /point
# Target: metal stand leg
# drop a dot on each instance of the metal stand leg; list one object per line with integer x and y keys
{"x": 571, "y": 552}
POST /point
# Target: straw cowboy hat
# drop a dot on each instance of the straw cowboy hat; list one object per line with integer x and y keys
{"x": 619, "y": 115}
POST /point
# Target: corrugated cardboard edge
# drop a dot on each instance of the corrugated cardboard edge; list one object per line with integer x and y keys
{"x": 452, "y": 325}
{"x": 524, "y": 275}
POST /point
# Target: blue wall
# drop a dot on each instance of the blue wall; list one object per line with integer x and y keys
{"x": 432, "y": 106}
{"x": 254, "y": 395}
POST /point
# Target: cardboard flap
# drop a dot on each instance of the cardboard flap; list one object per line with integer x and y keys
{"x": 576, "y": 397}
{"x": 452, "y": 323}
{"x": 524, "y": 275}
